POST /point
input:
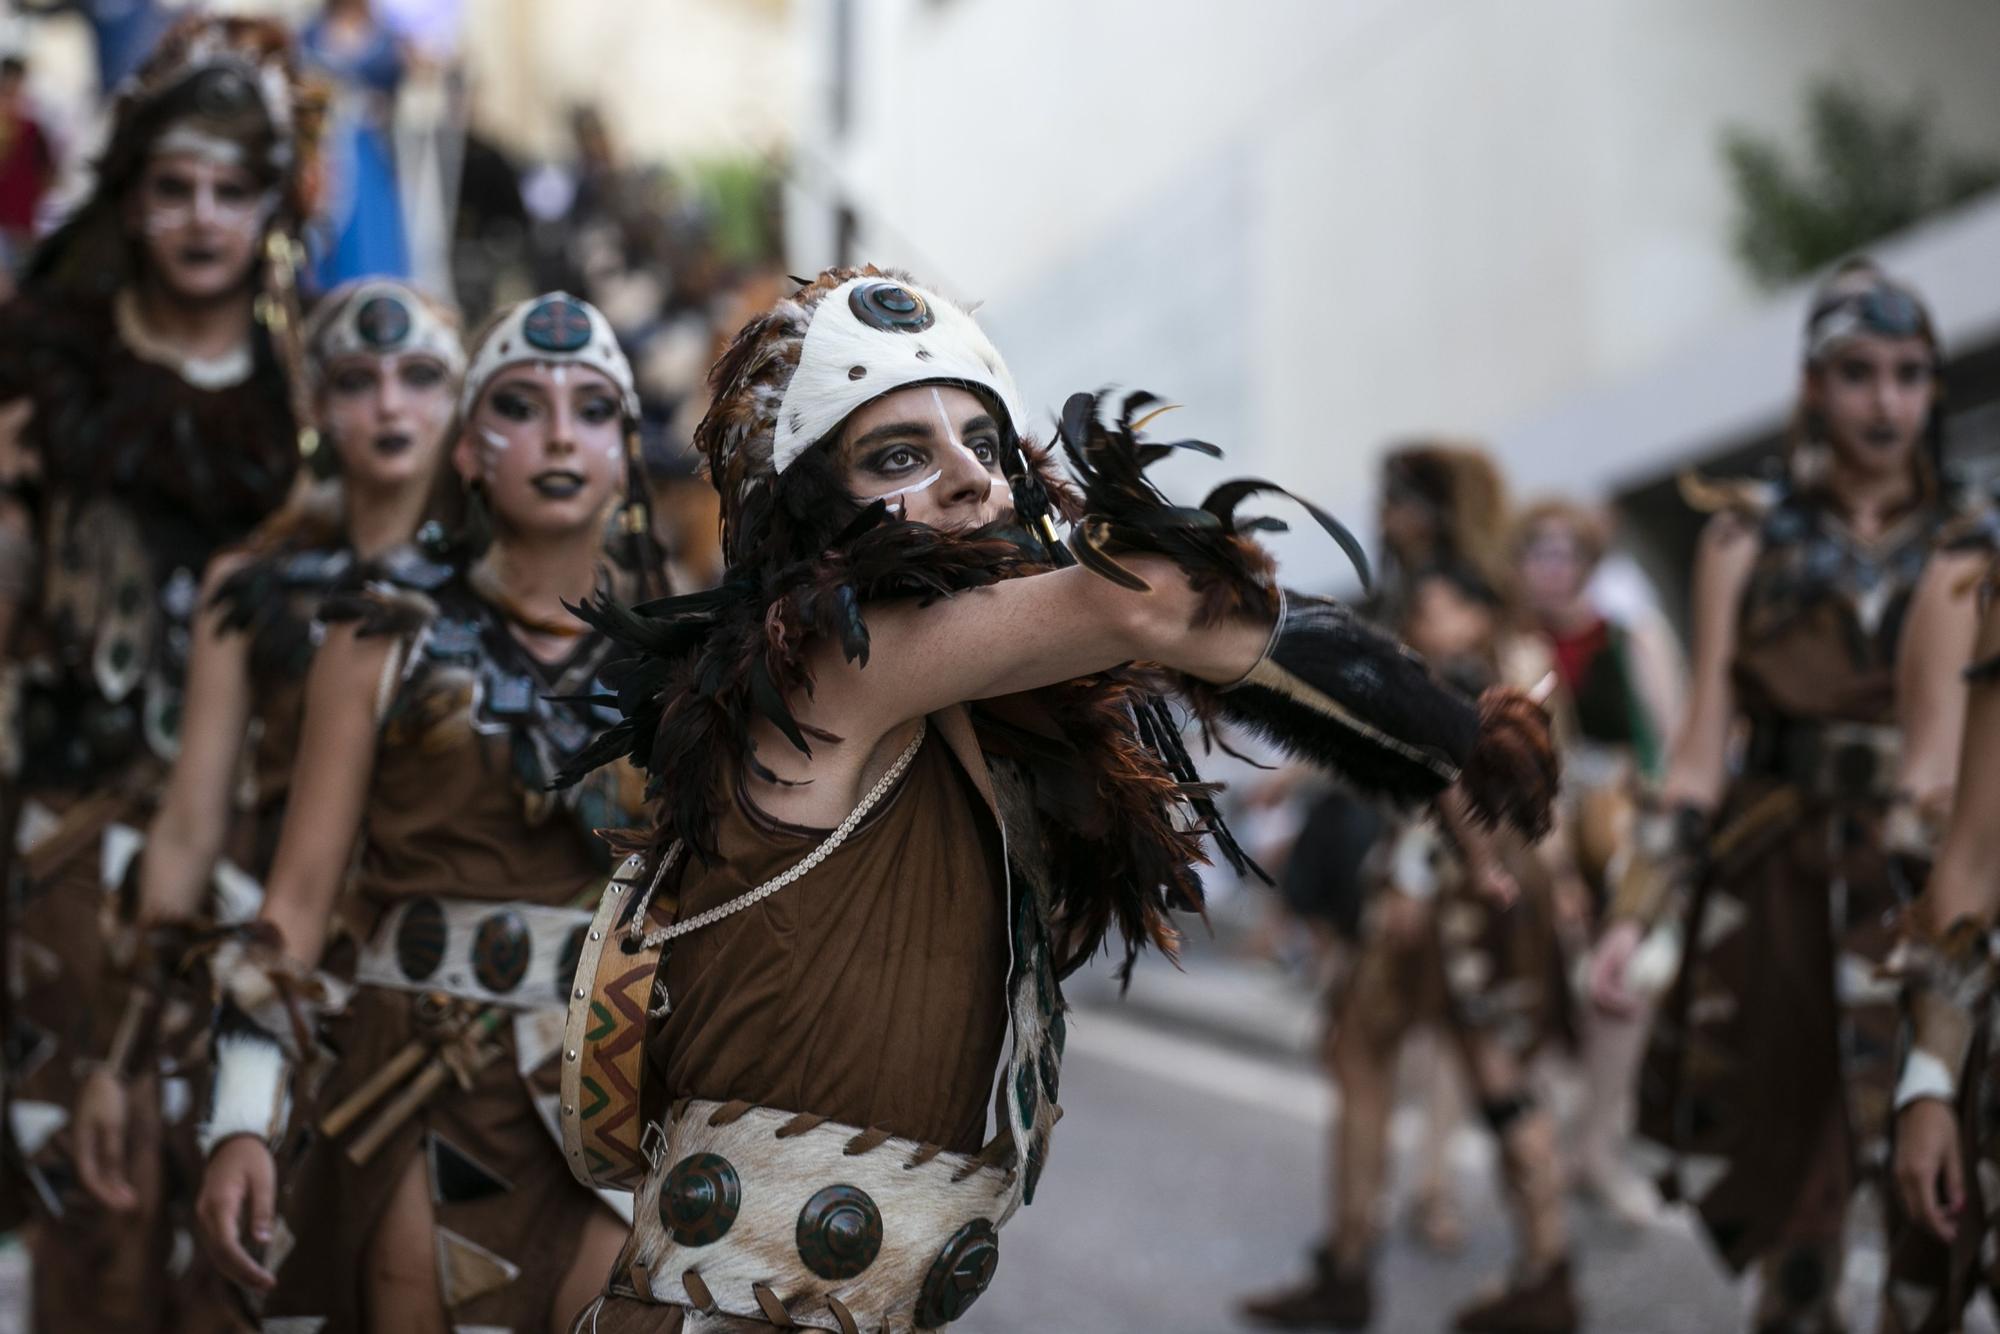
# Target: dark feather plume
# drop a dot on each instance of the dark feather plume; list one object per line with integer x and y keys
{"x": 1125, "y": 513}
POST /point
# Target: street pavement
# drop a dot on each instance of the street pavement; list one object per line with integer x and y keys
{"x": 1188, "y": 1170}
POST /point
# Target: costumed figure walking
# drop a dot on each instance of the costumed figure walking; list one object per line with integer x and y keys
{"x": 149, "y": 368}
{"x": 1942, "y": 1219}
{"x": 908, "y": 778}
{"x": 384, "y": 362}
{"x": 1772, "y": 1061}
{"x": 386, "y": 1040}
{"x": 1622, "y": 678}
{"x": 1460, "y": 935}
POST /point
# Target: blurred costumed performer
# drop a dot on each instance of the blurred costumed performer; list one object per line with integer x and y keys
{"x": 384, "y": 363}
{"x": 1443, "y": 945}
{"x": 1943, "y": 1222}
{"x": 908, "y": 778}
{"x": 1771, "y": 1066}
{"x": 150, "y": 372}
{"x": 1622, "y": 680}
{"x": 421, "y": 1182}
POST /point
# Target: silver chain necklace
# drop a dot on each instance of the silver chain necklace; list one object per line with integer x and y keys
{"x": 660, "y": 936}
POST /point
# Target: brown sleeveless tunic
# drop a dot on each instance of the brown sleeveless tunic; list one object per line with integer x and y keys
{"x": 458, "y": 807}
{"x": 1773, "y": 1061}
{"x": 871, "y": 991}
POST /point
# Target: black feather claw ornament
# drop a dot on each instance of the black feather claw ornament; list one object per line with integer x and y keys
{"x": 1329, "y": 689}
{"x": 1125, "y": 513}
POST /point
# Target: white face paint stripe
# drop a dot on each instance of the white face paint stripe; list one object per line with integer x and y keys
{"x": 913, "y": 488}
{"x": 952, "y": 438}
{"x": 244, "y": 219}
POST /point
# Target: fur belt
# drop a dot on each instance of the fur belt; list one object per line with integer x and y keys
{"x": 795, "y": 1220}
{"x": 521, "y": 955}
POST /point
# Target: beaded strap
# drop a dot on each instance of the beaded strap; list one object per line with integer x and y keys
{"x": 660, "y": 936}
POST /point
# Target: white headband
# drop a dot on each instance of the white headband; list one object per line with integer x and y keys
{"x": 873, "y": 336}
{"x": 190, "y": 138}
{"x": 552, "y": 328}
{"x": 386, "y": 319}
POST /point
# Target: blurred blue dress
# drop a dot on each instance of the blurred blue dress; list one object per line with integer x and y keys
{"x": 363, "y": 209}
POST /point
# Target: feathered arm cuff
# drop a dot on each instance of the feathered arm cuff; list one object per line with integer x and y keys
{"x": 1947, "y": 983}
{"x": 1339, "y": 694}
{"x": 1329, "y": 689}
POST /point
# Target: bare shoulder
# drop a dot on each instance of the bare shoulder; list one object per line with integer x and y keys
{"x": 1727, "y": 551}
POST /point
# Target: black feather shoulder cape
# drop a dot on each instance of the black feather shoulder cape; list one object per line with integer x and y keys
{"x": 1117, "y": 833}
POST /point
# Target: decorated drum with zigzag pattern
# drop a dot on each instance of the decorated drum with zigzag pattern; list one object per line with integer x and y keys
{"x": 604, "y": 1039}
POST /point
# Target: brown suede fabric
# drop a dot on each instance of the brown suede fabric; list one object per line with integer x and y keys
{"x": 871, "y": 991}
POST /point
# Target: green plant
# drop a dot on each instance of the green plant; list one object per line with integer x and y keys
{"x": 741, "y": 194}
{"x": 1869, "y": 169}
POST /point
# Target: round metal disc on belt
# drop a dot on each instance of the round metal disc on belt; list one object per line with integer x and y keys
{"x": 500, "y": 950}
{"x": 840, "y": 1232}
{"x": 962, "y": 1271}
{"x": 420, "y": 938}
{"x": 699, "y": 1199}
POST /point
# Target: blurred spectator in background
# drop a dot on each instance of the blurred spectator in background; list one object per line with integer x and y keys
{"x": 489, "y": 246}
{"x": 27, "y": 163}
{"x": 363, "y": 209}
{"x": 1622, "y": 681}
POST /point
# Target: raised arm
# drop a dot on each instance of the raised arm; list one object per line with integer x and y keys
{"x": 187, "y": 833}
{"x": 1013, "y": 636}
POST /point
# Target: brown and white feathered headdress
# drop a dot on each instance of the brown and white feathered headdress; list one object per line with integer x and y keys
{"x": 799, "y": 370}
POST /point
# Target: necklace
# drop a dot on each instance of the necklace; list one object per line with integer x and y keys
{"x": 654, "y": 939}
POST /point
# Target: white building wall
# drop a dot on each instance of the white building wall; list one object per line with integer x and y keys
{"x": 1325, "y": 225}
{"x": 673, "y": 78}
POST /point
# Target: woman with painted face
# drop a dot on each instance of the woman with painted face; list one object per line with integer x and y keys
{"x": 1771, "y": 1066}
{"x": 423, "y": 1188}
{"x": 385, "y": 363}
{"x": 908, "y": 776}
{"x": 149, "y": 423}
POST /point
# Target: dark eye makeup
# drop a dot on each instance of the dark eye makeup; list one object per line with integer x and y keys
{"x": 353, "y": 380}
{"x": 423, "y": 374}
{"x": 513, "y": 406}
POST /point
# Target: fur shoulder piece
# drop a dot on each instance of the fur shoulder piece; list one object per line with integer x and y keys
{"x": 697, "y": 669}
{"x": 395, "y": 595}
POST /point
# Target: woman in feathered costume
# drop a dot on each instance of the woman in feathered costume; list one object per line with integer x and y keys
{"x": 911, "y": 768}
{"x": 149, "y": 372}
